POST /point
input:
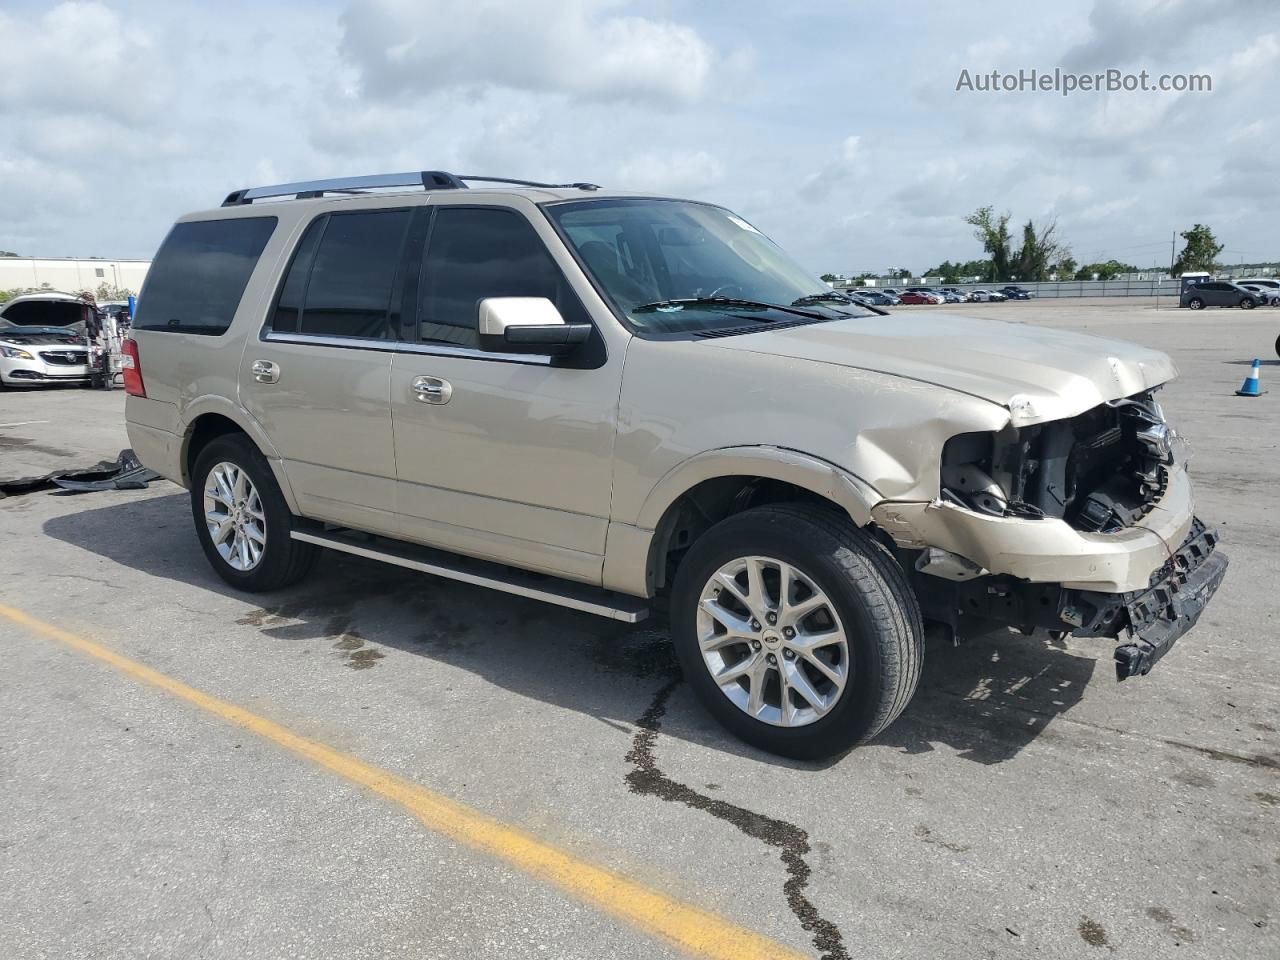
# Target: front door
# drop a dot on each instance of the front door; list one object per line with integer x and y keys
{"x": 501, "y": 456}
{"x": 318, "y": 380}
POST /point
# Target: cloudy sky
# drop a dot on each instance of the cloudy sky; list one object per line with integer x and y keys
{"x": 834, "y": 127}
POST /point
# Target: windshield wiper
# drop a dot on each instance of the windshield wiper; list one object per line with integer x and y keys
{"x": 815, "y": 298}
{"x": 726, "y": 302}
{"x": 831, "y": 296}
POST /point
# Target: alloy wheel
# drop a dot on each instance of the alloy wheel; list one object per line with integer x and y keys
{"x": 234, "y": 515}
{"x": 773, "y": 641}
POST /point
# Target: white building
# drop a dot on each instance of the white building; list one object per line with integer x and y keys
{"x": 72, "y": 276}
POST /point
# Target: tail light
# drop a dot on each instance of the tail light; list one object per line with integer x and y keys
{"x": 131, "y": 367}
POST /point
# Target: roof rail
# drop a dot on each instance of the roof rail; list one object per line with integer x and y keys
{"x": 427, "y": 179}
{"x": 580, "y": 185}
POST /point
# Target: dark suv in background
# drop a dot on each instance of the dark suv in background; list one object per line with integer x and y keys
{"x": 1219, "y": 293}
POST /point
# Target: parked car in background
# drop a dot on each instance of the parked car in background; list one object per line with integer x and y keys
{"x": 1270, "y": 297}
{"x": 117, "y": 310}
{"x": 877, "y": 298}
{"x": 1219, "y": 293}
{"x": 1013, "y": 292}
{"x": 915, "y": 296}
{"x": 952, "y": 296}
{"x": 42, "y": 339}
{"x": 987, "y": 296}
{"x": 1268, "y": 282}
{"x": 961, "y": 296}
{"x": 31, "y": 356}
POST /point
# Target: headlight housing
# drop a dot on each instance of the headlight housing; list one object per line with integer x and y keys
{"x": 13, "y": 353}
{"x": 1100, "y": 471}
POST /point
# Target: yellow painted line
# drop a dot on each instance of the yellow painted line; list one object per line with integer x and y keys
{"x": 686, "y": 927}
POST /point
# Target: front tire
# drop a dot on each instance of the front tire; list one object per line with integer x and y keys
{"x": 242, "y": 520}
{"x": 797, "y": 631}
{"x": 1247, "y": 303}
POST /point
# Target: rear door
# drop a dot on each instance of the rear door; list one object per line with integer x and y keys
{"x": 1217, "y": 294}
{"x": 317, "y": 380}
{"x": 510, "y": 458}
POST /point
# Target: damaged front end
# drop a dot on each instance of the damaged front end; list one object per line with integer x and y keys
{"x": 1082, "y": 526}
{"x": 1100, "y": 471}
{"x": 1149, "y": 620}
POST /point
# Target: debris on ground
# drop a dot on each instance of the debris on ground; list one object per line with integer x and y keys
{"x": 126, "y": 472}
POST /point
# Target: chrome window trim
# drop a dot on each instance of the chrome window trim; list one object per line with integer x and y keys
{"x": 401, "y": 346}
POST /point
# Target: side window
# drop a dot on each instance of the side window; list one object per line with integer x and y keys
{"x": 294, "y": 290}
{"x": 342, "y": 282}
{"x": 474, "y": 253}
{"x": 199, "y": 275}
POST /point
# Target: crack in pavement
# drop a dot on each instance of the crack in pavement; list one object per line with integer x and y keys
{"x": 791, "y": 841}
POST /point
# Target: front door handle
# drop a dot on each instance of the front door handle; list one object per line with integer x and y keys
{"x": 264, "y": 371}
{"x": 432, "y": 389}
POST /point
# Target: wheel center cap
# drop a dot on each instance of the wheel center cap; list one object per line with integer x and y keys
{"x": 772, "y": 640}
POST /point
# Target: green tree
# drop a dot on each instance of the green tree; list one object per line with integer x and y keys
{"x": 993, "y": 233}
{"x": 1104, "y": 271}
{"x": 829, "y": 278}
{"x": 1040, "y": 248}
{"x": 1200, "y": 253}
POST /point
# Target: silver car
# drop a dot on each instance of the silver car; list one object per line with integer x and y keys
{"x": 602, "y": 400}
{"x": 42, "y": 340}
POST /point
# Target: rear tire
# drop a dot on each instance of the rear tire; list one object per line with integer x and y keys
{"x": 1278, "y": 346}
{"x": 271, "y": 559}
{"x": 1195, "y": 303}
{"x": 870, "y": 602}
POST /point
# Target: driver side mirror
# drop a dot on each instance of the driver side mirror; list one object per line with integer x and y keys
{"x": 527, "y": 325}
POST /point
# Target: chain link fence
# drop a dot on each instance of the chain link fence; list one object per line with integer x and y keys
{"x": 1089, "y": 288}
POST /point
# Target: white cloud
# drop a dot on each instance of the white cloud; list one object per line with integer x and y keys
{"x": 80, "y": 57}
{"x": 118, "y": 115}
{"x": 673, "y": 171}
{"x": 585, "y": 48}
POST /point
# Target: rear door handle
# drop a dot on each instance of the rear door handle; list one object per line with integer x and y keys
{"x": 432, "y": 389}
{"x": 264, "y": 371}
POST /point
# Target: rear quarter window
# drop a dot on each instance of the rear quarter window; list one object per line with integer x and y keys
{"x": 199, "y": 274}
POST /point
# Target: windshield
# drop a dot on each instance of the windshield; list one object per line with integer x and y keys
{"x": 644, "y": 254}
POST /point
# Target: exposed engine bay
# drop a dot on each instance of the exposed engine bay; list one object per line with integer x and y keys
{"x": 1100, "y": 471}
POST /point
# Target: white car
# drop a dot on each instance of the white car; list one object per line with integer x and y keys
{"x": 42, "y": 340}
{"x": 1268, "y": 294}
{"x": 987, "y": 296}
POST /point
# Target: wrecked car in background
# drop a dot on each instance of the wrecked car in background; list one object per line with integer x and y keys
{"x": 600, "y": 399}
{"x": 42, "y": 339}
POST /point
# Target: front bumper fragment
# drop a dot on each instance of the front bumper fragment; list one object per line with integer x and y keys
{"x": 1048, "y": 551}
{"x": 1172, "y": 604}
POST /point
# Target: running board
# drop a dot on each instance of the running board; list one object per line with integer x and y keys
{"x": 481, "y": 573}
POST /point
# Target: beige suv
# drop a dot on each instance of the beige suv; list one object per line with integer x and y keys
{"x": 599, "y": 400}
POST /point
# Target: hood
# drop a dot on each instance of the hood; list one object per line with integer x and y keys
{"x": 41, "y": 339}
{"x": 1037, "y": 373}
